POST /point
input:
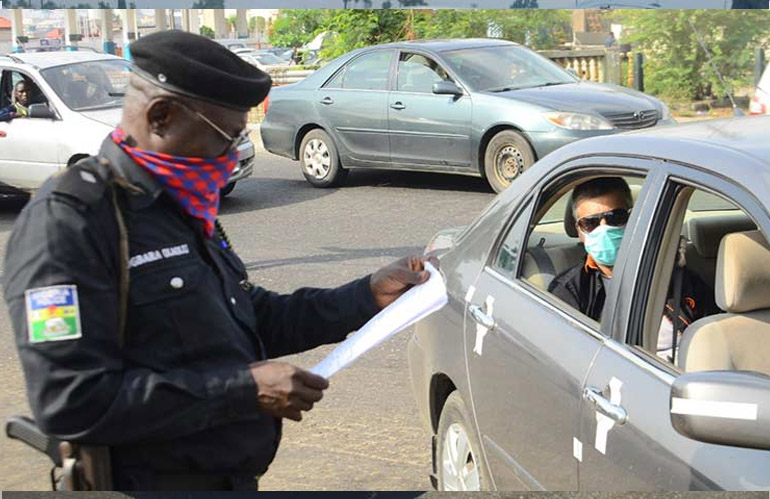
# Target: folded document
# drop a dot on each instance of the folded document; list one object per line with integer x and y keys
{"x": 417, "y": 303}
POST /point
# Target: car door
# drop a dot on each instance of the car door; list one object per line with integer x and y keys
{"x": 628, "y": 439}
{"x": 426, "y": 129}
{"x": 526, "y": 372}
{"x": 28, "y": 146}
{"x": 353, "y": 105}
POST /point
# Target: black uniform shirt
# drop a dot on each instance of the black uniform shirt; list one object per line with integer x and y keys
{"x": 177, "y": 395}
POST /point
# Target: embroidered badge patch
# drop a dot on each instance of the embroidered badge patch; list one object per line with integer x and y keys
{"x": 53, "y": 313}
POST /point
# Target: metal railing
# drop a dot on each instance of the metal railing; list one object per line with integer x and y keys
{"x": 594, "y": 64}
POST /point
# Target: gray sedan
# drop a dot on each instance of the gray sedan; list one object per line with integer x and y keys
{"x": 521, "y": 391}
{"x": 486, "y": 108}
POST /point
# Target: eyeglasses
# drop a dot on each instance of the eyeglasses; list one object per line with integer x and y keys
{"x": 615, "y": 218}
{"x": 232, "y": 142}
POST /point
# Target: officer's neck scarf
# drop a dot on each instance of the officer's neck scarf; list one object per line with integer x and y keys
{"x": 193, "y": 182}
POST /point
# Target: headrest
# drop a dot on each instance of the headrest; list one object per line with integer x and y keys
{"x": 743, "y": 273}
{"x": 569, "y": 218}
{"x": 705, "y": 233}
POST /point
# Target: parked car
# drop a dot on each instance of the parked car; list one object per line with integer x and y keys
{"x": 487, "y": 108}
{"x": 760, "y": 103}
{"x": 76, "y": 102}
{"x": 521, "y": 391}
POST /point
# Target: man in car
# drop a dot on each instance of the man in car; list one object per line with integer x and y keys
{"x": 21, "y": 95}
{"x": 601, "y": 208}
{"x": 137, "y": 325}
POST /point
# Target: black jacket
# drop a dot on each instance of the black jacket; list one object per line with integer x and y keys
{"x": 177, "y": 395}
{"x": 582, "y": 287}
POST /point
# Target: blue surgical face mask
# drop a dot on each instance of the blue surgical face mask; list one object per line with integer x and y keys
{"x": 603, "y": 243}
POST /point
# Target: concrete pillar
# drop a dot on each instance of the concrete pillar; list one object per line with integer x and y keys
{"x": 185, "y": 20}
{"x": 129, "y": 31}
{"x": 107, "y": 36}
{"x": 242, "y": 23}
{"x": 195, "y": 21}
{"x": 17, "y": 29}
{"x": 220, "y": 24}
{"x": 71, "y": 29}
{"x": 160, "y": 20}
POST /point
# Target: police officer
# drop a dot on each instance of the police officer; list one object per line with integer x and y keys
{"x": 136, "y": 324}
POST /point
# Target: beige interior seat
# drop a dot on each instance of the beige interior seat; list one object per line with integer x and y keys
{"x": 740, "y": 338}
{"x": 704, "y": 235}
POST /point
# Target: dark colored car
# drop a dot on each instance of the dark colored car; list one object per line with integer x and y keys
{"x": 522, "y": 391}
{"x": 486, "y": 108}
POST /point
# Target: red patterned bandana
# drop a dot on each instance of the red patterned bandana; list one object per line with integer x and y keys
{"x": 193, "y": 182}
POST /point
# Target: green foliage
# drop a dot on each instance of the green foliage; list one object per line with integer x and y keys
{"x": 296, "y": 27}
{"x": 208, "y": 32}
{"x": 676, "y": 66}
{"x": 363, "y": 27}
{"x": 257, "y": 24}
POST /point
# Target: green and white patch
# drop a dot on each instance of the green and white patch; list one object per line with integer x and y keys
{"x": 53, "y": 313}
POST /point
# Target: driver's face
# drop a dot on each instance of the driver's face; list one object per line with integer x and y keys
{"x": 22, "y": 94}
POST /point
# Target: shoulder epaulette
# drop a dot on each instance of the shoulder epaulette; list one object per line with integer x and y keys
{"x": 85, "y": 181}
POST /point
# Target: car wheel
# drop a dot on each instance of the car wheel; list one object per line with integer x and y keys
{"x": 319, "y": 160}
{"x": 460, "y": 465}
{"x": 507, "y": 155}
{"x": 224, "y": 191}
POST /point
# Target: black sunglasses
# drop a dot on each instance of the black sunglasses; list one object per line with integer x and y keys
{"x": 615, "y": 218}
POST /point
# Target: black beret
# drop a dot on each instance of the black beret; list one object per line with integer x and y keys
{"x": 199, "y": 68}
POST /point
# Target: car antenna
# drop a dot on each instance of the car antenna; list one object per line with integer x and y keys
{"x": 736, "y": 110}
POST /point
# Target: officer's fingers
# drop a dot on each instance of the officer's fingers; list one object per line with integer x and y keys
{"x": 293, "y": 414}
{"x": 308, "y": 394}
{"x": 312, "y": 380}
{"x": 300, "y": 403}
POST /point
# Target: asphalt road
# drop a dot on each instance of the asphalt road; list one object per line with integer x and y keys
{"x": 365, "y": 434}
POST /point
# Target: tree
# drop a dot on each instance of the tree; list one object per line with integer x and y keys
{"x": 525, "y": 4}
{"x": 209, "y": 4}
{"x": 257, "y": 24}
{"x": 296, "y": 27}
{"x": 363, "y": 27}
{"x": 232, "y": 21}
{"x": 208, "y": 32}
{"x": 676, "y": 65}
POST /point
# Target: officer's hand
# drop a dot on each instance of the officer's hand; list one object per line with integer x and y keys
{"x": 284, "y": 390}
{"x": 393, "y": 280}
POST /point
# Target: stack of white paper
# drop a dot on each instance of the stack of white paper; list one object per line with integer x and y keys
{"x": 415, "y": 304}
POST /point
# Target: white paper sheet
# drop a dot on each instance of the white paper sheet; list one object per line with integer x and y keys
{"x": 417, "y": 303}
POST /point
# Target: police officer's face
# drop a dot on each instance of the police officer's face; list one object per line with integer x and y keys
{"x": 21, "y": 94}
{"x": 194, "y": 128}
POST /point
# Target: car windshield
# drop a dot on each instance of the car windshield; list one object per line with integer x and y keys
{"x": 90, "y": 85}
{"x": 503, "y": 68}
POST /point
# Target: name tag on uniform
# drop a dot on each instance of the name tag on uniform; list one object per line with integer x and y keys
{"x": 53, "y": 313}
{"x": 160, "y": 254}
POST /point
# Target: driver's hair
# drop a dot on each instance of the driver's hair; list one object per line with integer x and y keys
{"x": 601, "y": 186}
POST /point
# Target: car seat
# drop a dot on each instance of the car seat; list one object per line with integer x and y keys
{"x": 737, "y": 339}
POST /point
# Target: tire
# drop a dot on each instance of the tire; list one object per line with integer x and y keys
{"x": 319, "y": 161}
{"x": 454, "y": 427}
{"x": 507, "y": 155}
{"x": 224, "y": 191}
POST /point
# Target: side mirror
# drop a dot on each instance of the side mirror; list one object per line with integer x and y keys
{"x": 447, "y": 88}
{"x": 41, "y": 111}
{"x": 723, "y": 407}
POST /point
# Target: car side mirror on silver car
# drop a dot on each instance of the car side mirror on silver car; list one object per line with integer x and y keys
{"x": 447, "y": 88}
{"x": 41, "y": 111}
{"x": 723, "y": 407}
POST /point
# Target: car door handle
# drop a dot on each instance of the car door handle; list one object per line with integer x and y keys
{"x": 327, "y": 101}
{"x": 398, "y": 105}
{"x": 482, "y": 317}
{"x": 612, "y": 411}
